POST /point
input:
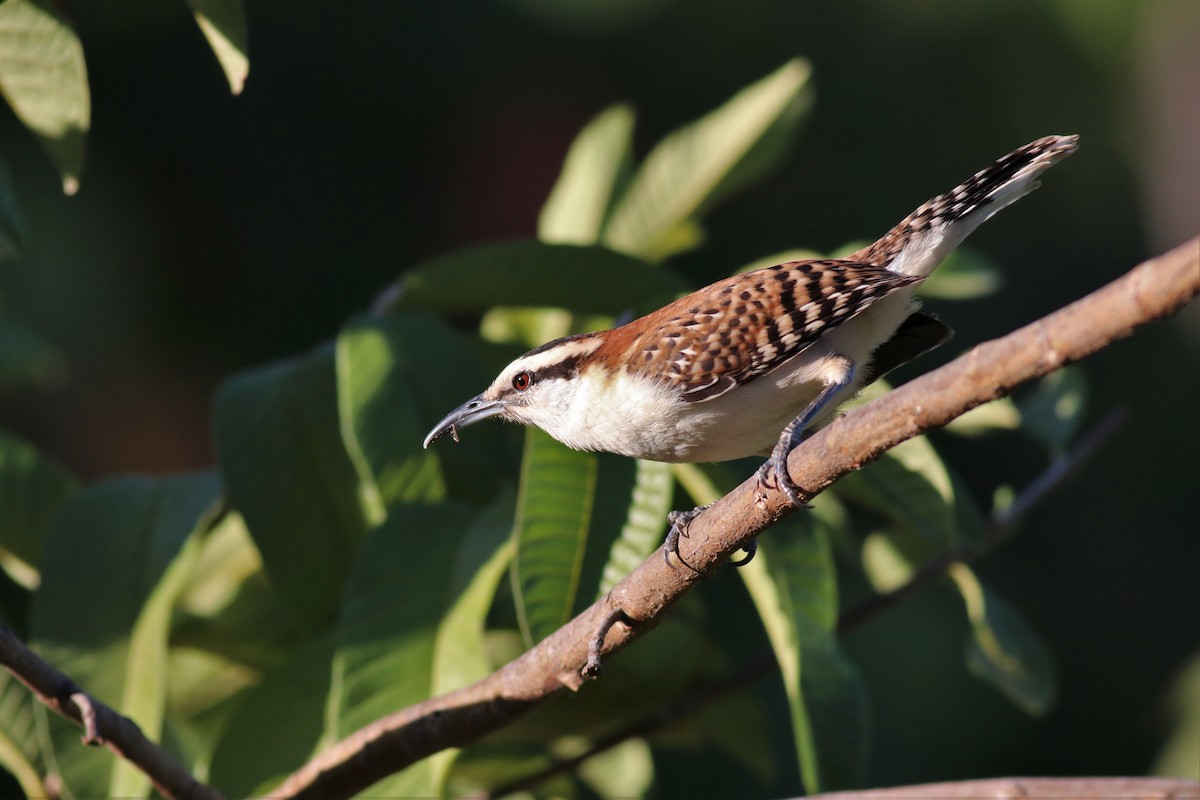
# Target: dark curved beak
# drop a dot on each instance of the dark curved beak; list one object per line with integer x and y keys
{"x": 468, "y": 413}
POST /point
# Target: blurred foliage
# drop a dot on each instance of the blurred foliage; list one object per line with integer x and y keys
{"x": 330, "y": 570}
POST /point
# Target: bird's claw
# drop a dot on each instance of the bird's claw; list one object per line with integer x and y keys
{"x": 680, "y": 520}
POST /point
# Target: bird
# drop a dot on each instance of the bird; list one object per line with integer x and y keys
{"x": 749, "y": 364}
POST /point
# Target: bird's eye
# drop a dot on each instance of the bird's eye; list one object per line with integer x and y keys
{"x": 521, "y": 381}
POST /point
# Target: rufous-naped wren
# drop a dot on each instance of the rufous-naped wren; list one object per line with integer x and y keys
{"x": 745, "y": 366}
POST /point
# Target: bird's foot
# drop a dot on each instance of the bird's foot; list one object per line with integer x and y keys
{"x": 773, "y": 475}
{"x": 594, "y": 666}
{"x": 680, "y": 520}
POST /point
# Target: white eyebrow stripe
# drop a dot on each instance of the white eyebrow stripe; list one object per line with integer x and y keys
{"x": 576, "y": 348}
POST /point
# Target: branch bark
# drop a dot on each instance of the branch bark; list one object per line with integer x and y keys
{"x": 101, "y": 724}
{"x": 1149, "y": 292}
{"x": 1033, "y": 789}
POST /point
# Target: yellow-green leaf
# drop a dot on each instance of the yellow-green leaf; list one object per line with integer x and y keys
{"x": 223, "y": 23}
{"x": 44, "y": 78}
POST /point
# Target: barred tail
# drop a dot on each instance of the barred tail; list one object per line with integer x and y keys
{"x": 919, "y": 243}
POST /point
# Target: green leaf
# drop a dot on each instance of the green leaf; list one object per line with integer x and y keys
{"x": 1053, "y": 411}
{"x": 230, "y": 609}
{"x": 793, "y": 584}
{"x": 645, "y": 522}
{"x": 278, "y": 725}
{"x": 1177, "y": 759}
{"x": 280, "y": 448}
{"x": 32, "y": 489}
{"x": 621, "y": 772}
{"x": 554, "y": 508}
{"x": 205, "y": 689}
{"x": 591, "y": 280}
{"x": 964, "y": 275}
{"x": 115, "y": 560}
{"x": 526, "y": 326}
{"x": 44, "y": 79}
{"x": 223, "y": 23}
{"x": 14, "y": 231}
{"x": 1003, "y": 650}
{"x": 998, "y": 415}
{"x": 592, "y": 175}
{"x": 26, "y": 358}
{"x": 910, "y": 485}
{"x": 20, "y": 751}
{"x": 397, "y": 648}
{"x": 693, "y": 167}
{"x": 392, "y": 386}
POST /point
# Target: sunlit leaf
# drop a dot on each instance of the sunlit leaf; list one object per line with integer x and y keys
{"x": 693, "y": 167}
{"x": 645, "y": 522}
{"x": 44, "y": 79}
{"x": 1053, "y": 411}
{"x": 223, "y": 23}
{"x": 1003, "y": 650}
{"x": 590, "y": 280}
{"x": 591, "y": 176}
{"x": 32, "y": 488}
{"x": 397, "y": 648}
{"x": 115, "y": 559}
{"x": 287, "y": 471}
{"x": 793, "y": 584}
{"x": 890, "y": 558}
{"x": 620, "y": 772}
{"x": 528, "y": 327}
{"x": 381, "y": 418}
{"x": 1178, "y": 756}
{"x": 554, "y": 508}
{"x": 1001, "y": 414}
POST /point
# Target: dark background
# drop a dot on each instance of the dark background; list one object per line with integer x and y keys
{"x": 214, "y": 233}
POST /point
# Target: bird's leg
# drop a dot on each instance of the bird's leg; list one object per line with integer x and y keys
{"x": 794, "y": 433}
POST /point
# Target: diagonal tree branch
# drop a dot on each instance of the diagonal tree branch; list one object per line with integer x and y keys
{"x": 1151, "y": 291}
{"x": 101, "y": 724}
{"x": 1000, "y": 527}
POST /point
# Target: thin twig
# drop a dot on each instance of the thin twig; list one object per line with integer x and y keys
{"x": 102, "y": 725}
{"x": 1151, "y": 291}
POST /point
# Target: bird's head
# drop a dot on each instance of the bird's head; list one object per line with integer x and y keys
{"x": 537, "y": 388}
